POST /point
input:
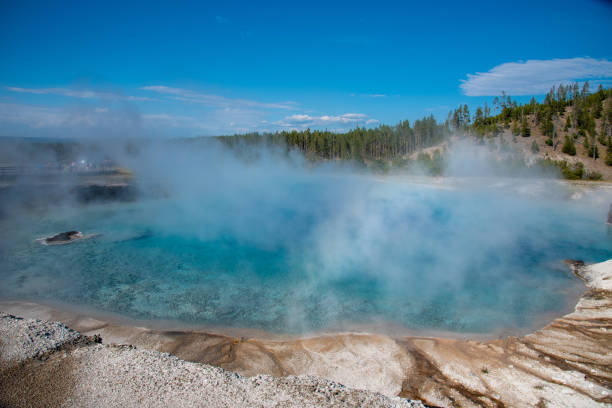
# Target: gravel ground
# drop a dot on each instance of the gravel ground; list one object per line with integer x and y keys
{"x": 21, "y": 339}
{"x": 48, "y": 364}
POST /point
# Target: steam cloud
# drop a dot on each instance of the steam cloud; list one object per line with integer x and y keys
{"x": 309, "y": 247}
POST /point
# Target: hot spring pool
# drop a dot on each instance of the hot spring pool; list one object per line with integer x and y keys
{"x": 316, "y": 253}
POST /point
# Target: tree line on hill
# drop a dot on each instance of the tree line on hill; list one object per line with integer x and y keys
{"x": 580, "y": 123}
{"x": 586, "y": 118}
{"x": 362, "y": 144}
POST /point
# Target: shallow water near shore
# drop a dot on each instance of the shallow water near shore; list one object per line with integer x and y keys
{"x": 320, "y": 254}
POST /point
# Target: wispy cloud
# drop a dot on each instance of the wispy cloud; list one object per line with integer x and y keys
{"x": 34, "y": 116}
{"x": 372, "y": 95}
{"x": 304, "y": 120}
{"x": 536, "y": 77}
{"x": 78, "y": 93}
{"x": 221, "y": 20}
{"x": 40, "y": 117}
{"x": 223, "y": 115}
{"x": 173, "y": 121}
{"x": 100, "y": 121}
{"x": 91, "y": 121}
{"x": 218, "y": 101}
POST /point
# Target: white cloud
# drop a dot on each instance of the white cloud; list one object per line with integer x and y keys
{"x": 373, "y": 95}
{"x": 38, "y": 117}
{"x": 299, "y": 118}
{"x": 78, "y": 93}
{"x": 84, "y": 121}
{"x": 187, "y": 95}
{"x": 303, "y": 120}
{"x": 223, "y": 115}
{"x": 87, "y": 121}
{"x": 80, "y": 121}
{"x": 173, "y": 121}
{"x": 212, "y": 122}
{"x": 351, "y": 116}
{"x": 42, "y": 117}
{"x": 536, "y": 77}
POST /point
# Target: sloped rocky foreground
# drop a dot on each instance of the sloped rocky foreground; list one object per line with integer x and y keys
{"x": 47, "y": 364}
{"x": 567, "y": 363}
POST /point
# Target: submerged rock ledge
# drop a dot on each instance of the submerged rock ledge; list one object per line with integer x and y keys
{"x": 567, "y": 363}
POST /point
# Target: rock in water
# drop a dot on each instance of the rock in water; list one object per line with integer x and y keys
{"x": 63, "y": 237}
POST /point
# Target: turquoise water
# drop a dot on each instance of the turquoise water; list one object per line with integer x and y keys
{"x": 316, "y": 253}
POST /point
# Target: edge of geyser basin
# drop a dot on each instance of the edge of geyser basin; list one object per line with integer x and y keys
{"x": 48, "y": 364}
{"x": 566, "y": 363}
{"x": 86, "y": 318}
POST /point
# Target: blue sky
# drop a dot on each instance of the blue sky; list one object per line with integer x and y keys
{"x": 183, "y": 69}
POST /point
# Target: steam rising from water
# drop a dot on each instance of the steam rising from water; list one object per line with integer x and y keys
{"x": 269, "y": 242}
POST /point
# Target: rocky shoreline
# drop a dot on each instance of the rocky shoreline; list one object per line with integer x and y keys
{"x": 46, "y": 364}
{"x": 566, "y": 363}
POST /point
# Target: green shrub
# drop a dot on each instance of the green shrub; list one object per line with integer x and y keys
{"x": 379, "y": 166}
{"x": 593, "y": 175}
{"x": 569, "y": 147}
{"x": 593, "y": 150}
{"x": 433, "y": 165}
{"x": 602, "y": 140}
{"x": 525, "y": 129}
{"x": 571, "y": 172}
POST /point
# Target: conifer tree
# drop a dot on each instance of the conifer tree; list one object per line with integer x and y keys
{"x": 568, "y": 146}
{"x": 525, "y": 129}
{"x": 597, "y": 110}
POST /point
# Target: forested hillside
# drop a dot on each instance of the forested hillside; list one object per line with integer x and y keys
{"x": 381, "y": 143}
{"x": 570, "y": 129}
